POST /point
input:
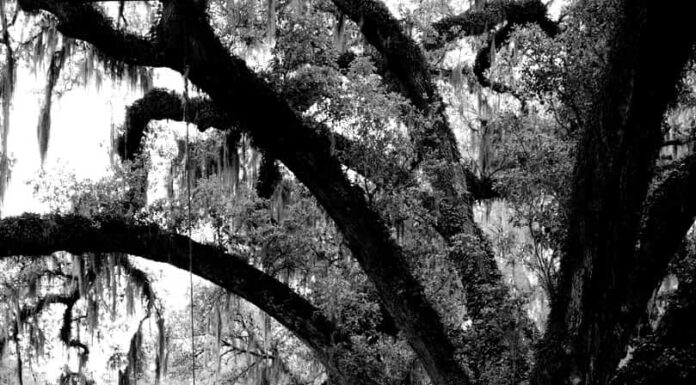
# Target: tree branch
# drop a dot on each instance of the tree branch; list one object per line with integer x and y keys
{"x": 476, "y": 22}
{"x": 34, "y": 235}
{"x": 603, "y": 284}
{"x": 158, "y": 104}
{"x": 85, "y": 22}
{"x": 470, "y": 250}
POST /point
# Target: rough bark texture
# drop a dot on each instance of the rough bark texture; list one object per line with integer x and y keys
{"x": 602, "y": 288}
{"x": 668, "y": 355}
{"x": 43, "y": 129}
{"x": 34, "y": 235}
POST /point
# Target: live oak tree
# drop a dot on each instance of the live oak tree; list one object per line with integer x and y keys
{"x": 625, "y": 213}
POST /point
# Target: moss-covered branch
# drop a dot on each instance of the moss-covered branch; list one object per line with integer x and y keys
{"x": 477, "y": 21}
{"x": 159, "y": 104}
{"x": 83, "y": 21}
{"x": 34, "y": 235}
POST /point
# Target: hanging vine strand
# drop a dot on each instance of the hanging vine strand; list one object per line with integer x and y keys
{"x": 188, "y": 209}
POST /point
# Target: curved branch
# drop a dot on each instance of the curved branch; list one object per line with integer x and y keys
{"x": 407, "y": 63}
{"x": 483, "y": 59}
{"x": 158, "y": 104}
{"x": 479, "y": 21}
{"x": 26, "y": 312}
{"x": 34, "y": 235}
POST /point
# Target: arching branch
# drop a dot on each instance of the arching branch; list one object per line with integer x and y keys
{"x": 33, "y": 235}
{"x": 158, "y": 104}
{"x": 478, "y": 21}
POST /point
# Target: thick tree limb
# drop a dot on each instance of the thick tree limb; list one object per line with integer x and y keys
{"x": 523, "y": 12}
{"x": 33, "y": 235}
{"x": 404, "y": 58}
{"x": 84, "y": 21}
{"x": 406, "y": 62}
{"x": 158, "y": 104}
{"x": 596, "y": 311}
{"x": 476, "y": 22}
{"x": 670, "y": 212}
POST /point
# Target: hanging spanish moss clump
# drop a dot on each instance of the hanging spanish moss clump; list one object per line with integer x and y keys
{"x": 231, "y": 164}
{"x": 340, "y": 36}
{"x": 7, "y": 84}
{"x": 218, "y": 342}
{"x": 54, "y": 68}
{"x": 78, "y": 273}
{"x": 161, "y": 355}
{"x": 271, "y": 22}
{"x": 269, "y": 177}
{"x": 280, "y": 199}
{"x": 136, "y": 77}
{"x": 37, "y": 338}
{"x": 134, "y": 367}
{"x": 46, "y": 42}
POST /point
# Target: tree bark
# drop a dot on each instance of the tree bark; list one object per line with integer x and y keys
{"x": 668, "y": 355}
{"x": 603, "y": 288}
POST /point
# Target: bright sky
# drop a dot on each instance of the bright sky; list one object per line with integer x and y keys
{"x": 80, "y": 137}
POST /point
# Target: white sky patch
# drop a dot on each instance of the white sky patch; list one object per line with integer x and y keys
{"x": 81, "y": 129}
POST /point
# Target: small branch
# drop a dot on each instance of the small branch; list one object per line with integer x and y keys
{"x": 476, "y": 22}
